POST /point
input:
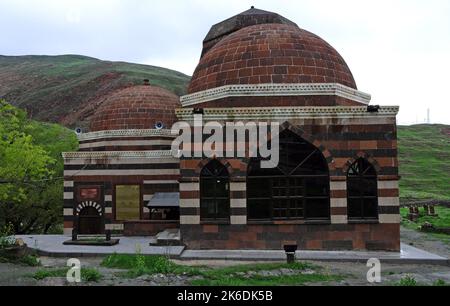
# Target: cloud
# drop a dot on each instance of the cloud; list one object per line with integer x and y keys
{"x": 397, "y": 50}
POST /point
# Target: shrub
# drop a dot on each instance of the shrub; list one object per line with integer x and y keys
{"x": 7, "y": 238}
{"x": 30, "y": 260}
{"x": 407, "y": 281}
{"x": 90, "y": 275}
{"x": 440, "y": 283}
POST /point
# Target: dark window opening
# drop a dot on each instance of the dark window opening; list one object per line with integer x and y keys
{"x": 89, "y": 222}
{"x": 362, "y": 191}
{"x": 299, "y": 188}
{"x": 215, "y": 192}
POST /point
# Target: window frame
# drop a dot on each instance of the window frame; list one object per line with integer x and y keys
{"x": 215, "y": 198}
{"x": 288, "y": 177}
{"x": 359, "y": 178}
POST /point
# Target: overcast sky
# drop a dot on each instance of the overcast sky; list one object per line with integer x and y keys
{"x": 398, "y": 50}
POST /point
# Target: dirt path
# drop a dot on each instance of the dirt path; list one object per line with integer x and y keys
{"x": 425, "y": 242}
{"x": 353, "y": 274}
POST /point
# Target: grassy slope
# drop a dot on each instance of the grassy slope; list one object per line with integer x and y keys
{"x": 55, "y": 139}
{"x": 424, "y": 152}
{"x": 52, "y": 87}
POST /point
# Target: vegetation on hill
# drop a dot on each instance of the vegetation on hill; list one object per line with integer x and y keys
{"x": 424, "y": 154}
{"x": 59, "y": 88}
{"x": 31, "y": 170}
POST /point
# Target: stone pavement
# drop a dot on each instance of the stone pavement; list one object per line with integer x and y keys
{"x": 408, "y": 255}
{"x": 53, "y": 246}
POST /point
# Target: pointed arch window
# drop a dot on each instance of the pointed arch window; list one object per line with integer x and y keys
{"x": 299, "y": 188}
{"x": 362, "y": 191}
{"x": 215, "y": 192}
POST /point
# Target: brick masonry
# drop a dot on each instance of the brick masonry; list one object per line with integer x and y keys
{"x": 341, "y": 142}
{"x": 307, "y": 237}
{"x": 137, "y": 107}
{"x": 270, "y": 53}
{"x": 88, "y": 173}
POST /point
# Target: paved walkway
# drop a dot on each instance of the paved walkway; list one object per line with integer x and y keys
{"x": 408, "y": 254}
{"x": 53, "y": 246}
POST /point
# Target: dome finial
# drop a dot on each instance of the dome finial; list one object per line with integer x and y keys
{"x": 252, "y": 7}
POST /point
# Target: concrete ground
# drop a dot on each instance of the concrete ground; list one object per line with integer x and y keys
{"x": 429, "y": 269}
{"x": 53, "y": 246}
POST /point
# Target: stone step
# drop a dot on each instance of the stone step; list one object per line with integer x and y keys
{"x": 170, "y": 237}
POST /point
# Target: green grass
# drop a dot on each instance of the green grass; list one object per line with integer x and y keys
{"x": 227, "y": 271}
{"x": 407, "y": 281}
{"x": 440, "y": 283}
{"x": 442, "y": 220}
{"x": 47, "y": 273}
{"x": 424, "y": 154}
{"x": 87, "y": 274}
{"x": 28, "y": 260}
{"x": 232, "y": 276}
{"x": 285, "y": 280}
{"x": 137, "y": 265}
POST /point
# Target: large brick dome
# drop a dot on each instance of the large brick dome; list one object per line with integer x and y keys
{"x": 273, "y": 52}
{"x": 137, "y": 107}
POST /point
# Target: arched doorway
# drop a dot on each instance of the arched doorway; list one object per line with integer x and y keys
{"x": 89, "y": 222}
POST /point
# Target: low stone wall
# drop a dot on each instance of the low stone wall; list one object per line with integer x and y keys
{"x": 308, "y": 237}
{"x": 147, "y": 227}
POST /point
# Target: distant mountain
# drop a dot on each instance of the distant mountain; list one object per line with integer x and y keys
{"x": 65, "y": 89}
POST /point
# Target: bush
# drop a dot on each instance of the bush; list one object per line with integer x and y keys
{"x": 7, "y": 238}
{"x": 30, "y": 260}
{"x": 138, "y": 265}
{"x": 440, "y": 283}
{"x": 408, "y": 281}
{"x": 45, "y": 273}
{"x": 90, "y": 275}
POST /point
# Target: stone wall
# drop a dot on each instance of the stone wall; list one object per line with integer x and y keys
{"x": 342, "y": 140}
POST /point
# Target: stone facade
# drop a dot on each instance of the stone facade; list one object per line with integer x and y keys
{"x": 255, "y": 67}
{"x": 342, "y": 140}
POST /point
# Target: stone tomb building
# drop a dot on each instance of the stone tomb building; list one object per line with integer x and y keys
{"x": 335, "y": 188}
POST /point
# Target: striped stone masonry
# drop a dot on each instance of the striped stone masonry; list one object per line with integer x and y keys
{"x": 338, "y": 201}
{"x": 238, "y": 203}
{"x": 68, "y": 207}
{"x": 190, "y": 203}
{"x": 389, "y": 202}
{"x": 342, "y": 134}
{"x": 153, "y": 171}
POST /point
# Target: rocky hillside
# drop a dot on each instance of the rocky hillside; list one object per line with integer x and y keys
{"x": 64, "y": 88}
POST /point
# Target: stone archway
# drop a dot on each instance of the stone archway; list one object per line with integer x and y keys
{"x": 90, "y": 218}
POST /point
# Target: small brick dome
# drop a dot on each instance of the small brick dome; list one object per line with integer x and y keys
{"x": 270, "y": 53}
{"x": 137, "y": 107}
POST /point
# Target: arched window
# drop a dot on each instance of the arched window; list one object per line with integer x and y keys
{"x": 299, "y": 188}
{"x": 362, "y": 191}
{"x": 214, "y": 192}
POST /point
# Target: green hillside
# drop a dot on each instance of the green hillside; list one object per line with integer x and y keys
{"x": 56, "y": 88}
{"x": 424, "y": 152}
